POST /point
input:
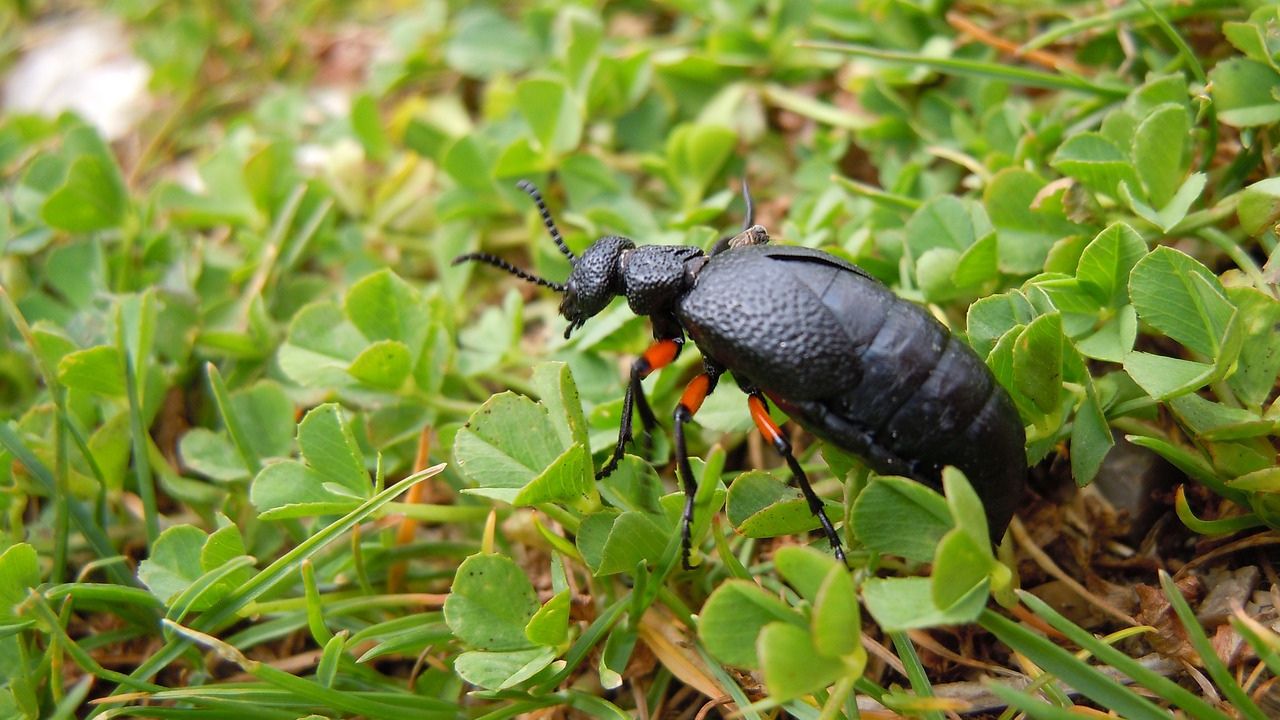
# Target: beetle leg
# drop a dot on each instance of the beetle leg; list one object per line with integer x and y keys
{"x": 659, "y": 355}
{"x": 770, "y": 430}
{"x": 694, "y": 393}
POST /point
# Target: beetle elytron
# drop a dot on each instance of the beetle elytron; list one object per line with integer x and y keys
{"x": 831, "y": 346}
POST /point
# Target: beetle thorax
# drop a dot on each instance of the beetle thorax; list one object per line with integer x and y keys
{"x": 655, "y": 276}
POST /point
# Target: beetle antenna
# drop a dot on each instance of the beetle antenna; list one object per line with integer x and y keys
{"x": 532, "y": 191}
{"x": 751, "y": 206}
{"x": 504, "y": 265}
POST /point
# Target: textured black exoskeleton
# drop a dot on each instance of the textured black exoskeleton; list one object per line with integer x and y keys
{"x": 833, "y": 347}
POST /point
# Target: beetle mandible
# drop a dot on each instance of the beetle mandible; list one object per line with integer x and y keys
{"x": 829, "y": 344}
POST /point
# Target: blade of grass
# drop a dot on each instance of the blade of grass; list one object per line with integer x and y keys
{"x": 141, "y": 463}
{"x": 876, "y": 195}
{"x": 61, "y": 493}
{"x": 81, "y": 516}
{"x": 976, "y": 68}
{"x": 1031, "y": 706}
{"x": 227, "y": 611}
{"x": 1113, "y": 18}
{"x": 1213, "y": 665}
{"x": 1078, "y": 674}
{"x": 915, "y": 671}
{"x": 104, "y": 593}
{"x": 53, "y": 625}
{"x": 357, "y": 703}
{"x": 1224, "y": 526}
{"x": 1149, "y": 679}
{"x": 1264, "y": 642}
{"x": 238, "y": 437}
{"x": 315, "y": 613}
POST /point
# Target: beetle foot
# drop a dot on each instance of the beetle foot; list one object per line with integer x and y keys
{"x": 607, "y": 470}
{"x": 838, "y": 549}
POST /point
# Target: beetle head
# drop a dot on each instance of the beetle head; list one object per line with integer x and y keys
{"x": 595, "y": 280}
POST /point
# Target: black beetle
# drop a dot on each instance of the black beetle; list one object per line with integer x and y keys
{"x": 833, "y": 347}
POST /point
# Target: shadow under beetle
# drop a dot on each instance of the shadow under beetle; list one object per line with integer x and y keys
{"x": 830, "y": 345}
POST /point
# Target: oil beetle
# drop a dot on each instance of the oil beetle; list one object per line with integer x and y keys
{"x": 830, "y": 345}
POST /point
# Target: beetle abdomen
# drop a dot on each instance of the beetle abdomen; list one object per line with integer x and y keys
{"x": 887, "y": 381}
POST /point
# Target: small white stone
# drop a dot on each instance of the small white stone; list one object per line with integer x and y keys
{"x": 84, "y": 65}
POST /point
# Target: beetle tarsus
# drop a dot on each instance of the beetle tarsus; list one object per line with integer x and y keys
{"x": 682, "y": 416}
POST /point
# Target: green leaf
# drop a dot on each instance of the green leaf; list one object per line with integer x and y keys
{"x": 961, "y": 565}
{"x": 485, "y": 43}
{"x": 979, "y": 263}
{"x": 266, "y": 415}
{"x": 1158, "y": 151}
{"x": 1107, "y": 261}
{"x": 990, "y": 318}
{"x": 1259, "y": 206}
{"x": 320, "y": 347}
{"x": 384, "y": 307}
{"x": 1165, "y": 377}
{"x": 174, "y": 563}
{"x": 368, "y": 127}
{"x": 613, "y": 543}
{"x": 1091, "y": 439}
{"x": 695, "y": 153}
{"x": 804, "y": 568}
{"x": 1244, "y": 92}
{"x": 227, "y": 201}
{"x": 289, "y": 489}
{"x": 553, "y": 113}
{"x": 93, "y": 197}
{"x": 1096, "y": 162}
{"x": 1027, "y": 225}
{"x": 383, "y": 365}
{"x": 615, "y": 656}
{"x": 570, "y": 478}
{"x": 897, "y": 516}
{"x": 558, "y": 393}
{"x": 500, "y": 670}
{"x": 1259, "y": 362}
{"x": 509, "y": 441}
{"x": 19, "y": 573}
{"x": 98, "y": 369}
{"x": 1249, "y": 39}
{"x": 965, "y": 505}
{"x": 491, "y": 603}
{"x": 1209, "y": 420}
{"x": 787, "y": 657}
{"x": 836, "y": 621}
{"x": 760, "y": 505}
{"x": 1175, "y": 210}
{"x": 550, "y": 624}
{"x": 733, "y": 617}
{"x": 78, "y": 272}
{"x": 1114, "y": 339}
{"x": 1178, "y": 296}
{"x": 212, "y": 455}
{"x": 935, "y": 270}
{"x": 331, "y": 450}
{"x": 521, "y": 159}
{"x": 945, "y": 222}
{"x": 899, "y": 604}
{"x": 1038, "y": 362}
{"x": 469, "y": 164}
